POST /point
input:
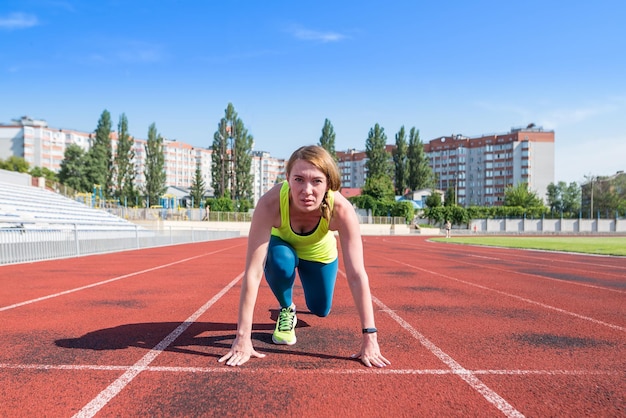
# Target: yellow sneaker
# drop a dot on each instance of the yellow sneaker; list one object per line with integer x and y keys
{"x": 285, "y": 332}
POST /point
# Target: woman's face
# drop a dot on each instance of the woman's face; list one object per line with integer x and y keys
{"x": 308, "y": 186}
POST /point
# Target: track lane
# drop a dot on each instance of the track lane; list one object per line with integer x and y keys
{"x": 185, "y": 378}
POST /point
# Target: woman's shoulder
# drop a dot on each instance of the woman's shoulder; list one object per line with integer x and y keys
{"x": 342, "y": 208}
{"x": 271, "y": 196}
{"x": 340, "y": 200}
{"x": 268, "y": 206}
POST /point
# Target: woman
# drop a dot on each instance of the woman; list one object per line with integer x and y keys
{"x": 292, "y": 228}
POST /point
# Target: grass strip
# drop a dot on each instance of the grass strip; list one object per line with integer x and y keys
{"x": 575, "y": 244}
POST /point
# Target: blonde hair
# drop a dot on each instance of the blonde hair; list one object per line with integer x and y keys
{"x": 322, "y": 160}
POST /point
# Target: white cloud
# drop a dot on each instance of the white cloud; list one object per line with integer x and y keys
{"x": 18, "y": 21}
{"x": 128, "y": 51}
{"x": 561, "y": 117}
{"x": 313, "y": 35}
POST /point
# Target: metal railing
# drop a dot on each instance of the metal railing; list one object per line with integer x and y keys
{"x": 21, "y": 243}
{"x": 197, "y": 214}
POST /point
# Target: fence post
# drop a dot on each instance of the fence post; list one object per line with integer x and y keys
{"x": 76, "y": 240}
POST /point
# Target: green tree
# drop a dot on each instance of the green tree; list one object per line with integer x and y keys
{"x": 124, "y": 164}
{"x": 379, "y": 187}
{"x": 73, "y": 167}
{"x": 377, "y": 164}
{"x": 99, "y": 158}
{"x": 450, "y": 198}
{"x": 242, "y": 158}
{"x": 401, "y": 163}
{"x": 553, "y": 196}
{"x": 155, "y": 167}
{"x": 420, "y": 173}
{"x": 221, "y": 204}
{"x": 197, "y": 188}
{"x": 604, "y": 196}
{"x": 434, "y": 199}
{"x": 44, "y": 172}
{"x": 14, "y": 163}
{"x": 520, "y": 195}
{"x": 232, "y": 157}
{"x": 219, "y": 159}
{"x": 571, "y": 197}
{"x": 563, "y": 198}
{"x": 327, "y": 140}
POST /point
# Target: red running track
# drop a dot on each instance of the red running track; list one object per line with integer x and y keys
{"x": 470, "y": 331}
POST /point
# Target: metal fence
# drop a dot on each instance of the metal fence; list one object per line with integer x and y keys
{"x": 21, "y": 243}
{"x": 196, "y": 214}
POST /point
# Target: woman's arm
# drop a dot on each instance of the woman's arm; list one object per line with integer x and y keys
{"x": 346, "y": 223}
{"x": 266, "y": 215}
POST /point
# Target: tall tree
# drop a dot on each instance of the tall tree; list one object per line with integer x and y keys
{"x": 379, "y": 187}
{"x": 450, "y": 198}
{"x": 563, "y": 198}
{"x": 99, "y": 158}
{"x": 197, "y": 187}
{"x": 520, "y": 195}
{"x": 232, "y": 157}
{"x": 420, "y": 173}
{"x": 219, "y": 159}
{"x": 553, "y": 196}
{"x": 327, "y": 140}
{"x": 154, "y": 171}
{"x": 73, "y": 167}
{"x": 571, "y": 196}
{"x": 401, "y": 163}
{"x": 125, "y": 164}
{"x": 242, "y": 158}
{"x": 377, "y": 164}
{"x": 602, "y": 196}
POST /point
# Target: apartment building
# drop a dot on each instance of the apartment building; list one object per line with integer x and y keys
{"x": 480, "y": 168}
{"x": 43, "y": 146}
{"x": 477, "y": 168}
{"x": 352, "y": 166}
{"x": 39, "y": 145}
{"x": 267, "y": 172}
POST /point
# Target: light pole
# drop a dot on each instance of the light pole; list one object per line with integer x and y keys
{"x": 230, "y": 130}
{"x": 591, "y": 209}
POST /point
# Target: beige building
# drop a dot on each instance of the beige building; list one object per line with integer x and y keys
{"x": 480, "y": 168}
{"x": 267, "y": 171}
{"x": 38, "y": 144}
{"x": 43, "y": 146}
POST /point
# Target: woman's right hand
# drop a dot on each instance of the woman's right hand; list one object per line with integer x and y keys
{"x": 240, "y": 352}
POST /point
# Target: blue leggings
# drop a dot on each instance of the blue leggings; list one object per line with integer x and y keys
{"x": 318, "y": 279}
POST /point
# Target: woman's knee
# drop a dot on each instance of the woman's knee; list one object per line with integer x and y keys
{"x": 281, "y": 261}
{"x": 319, "y": 310}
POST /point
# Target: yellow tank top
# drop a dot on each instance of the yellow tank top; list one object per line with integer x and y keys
{"x": 320, "y": 245}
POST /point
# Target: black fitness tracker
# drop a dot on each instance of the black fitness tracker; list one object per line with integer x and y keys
{"x": 369, "y": 330}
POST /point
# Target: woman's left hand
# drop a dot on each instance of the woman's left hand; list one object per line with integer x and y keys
{"x": 370, "y": 354}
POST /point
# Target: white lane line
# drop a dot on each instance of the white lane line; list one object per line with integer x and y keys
{"x": 522, "y": 258}
{"x": 468, "y": 376}
{"x": 120, "y": 383}
{"x": 541, "y": 276}
{"x": 125, "y": 276}
{"x": 523, "y": 299}
{"x": 377, "y": 371}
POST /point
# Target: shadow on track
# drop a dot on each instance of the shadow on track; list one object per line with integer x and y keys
{"x": 148, "y": 335}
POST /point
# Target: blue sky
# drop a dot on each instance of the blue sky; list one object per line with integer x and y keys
{"x": 450, "y": 67}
